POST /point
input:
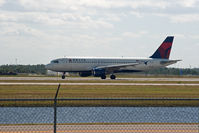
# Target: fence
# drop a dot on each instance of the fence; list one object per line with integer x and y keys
{"x": 99, "y": 115}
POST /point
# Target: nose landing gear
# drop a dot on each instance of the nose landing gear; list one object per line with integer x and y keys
{"x": 63, "y": 76}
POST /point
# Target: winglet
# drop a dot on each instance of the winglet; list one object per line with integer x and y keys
{"x": 163, "y": 52}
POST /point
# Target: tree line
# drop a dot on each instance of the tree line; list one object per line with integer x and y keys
{"x": 174, "y": 71}
{"x": 19, "y": 69}
{"x": 40, "y": 69}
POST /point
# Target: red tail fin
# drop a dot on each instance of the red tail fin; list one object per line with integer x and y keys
{"x": 163, "y": 52}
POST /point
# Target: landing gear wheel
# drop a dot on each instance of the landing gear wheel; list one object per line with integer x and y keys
{"x": 113, "y": 77}
{"x": 63, "y": 76}
{"x": 103, "y": 77}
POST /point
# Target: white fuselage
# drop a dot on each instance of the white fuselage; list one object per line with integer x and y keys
{"x": 102, "y": 66}
{"x": 82, "y": 64}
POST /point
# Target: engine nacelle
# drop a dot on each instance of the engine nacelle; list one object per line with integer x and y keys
{"x": 85, "y": 74}
{"x": 98, "y": 72}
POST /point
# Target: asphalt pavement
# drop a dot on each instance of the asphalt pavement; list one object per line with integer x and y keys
{"x": 94, "y": 78}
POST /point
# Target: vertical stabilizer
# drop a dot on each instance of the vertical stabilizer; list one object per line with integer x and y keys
{"x": 163, "y": 52}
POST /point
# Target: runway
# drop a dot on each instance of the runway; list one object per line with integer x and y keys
{"x": 118, "y": 128}
{"x": 102, "y": 84}
{"x": 45, "y": 81}
{"x": 93, "y": 78}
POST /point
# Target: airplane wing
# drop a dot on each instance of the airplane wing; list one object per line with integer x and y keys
{"x": 111, "y": 68}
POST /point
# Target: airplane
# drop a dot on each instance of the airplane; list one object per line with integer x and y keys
{"x": 102, "y": 66}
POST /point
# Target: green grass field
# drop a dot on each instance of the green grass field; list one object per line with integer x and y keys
{"x": 102, "y": 91}
{"x": 75, "y": 91}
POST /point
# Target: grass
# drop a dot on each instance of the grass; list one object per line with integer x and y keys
{"x": 75, "y": 91}
{"x": 101, "y": 91}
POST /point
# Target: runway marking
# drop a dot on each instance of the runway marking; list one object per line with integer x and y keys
{"x": 111, "y": 84}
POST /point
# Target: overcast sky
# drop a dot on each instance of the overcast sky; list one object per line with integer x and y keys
{"x": 37, "y": 31}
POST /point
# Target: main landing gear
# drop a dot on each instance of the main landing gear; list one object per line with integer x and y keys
{"x": 111, "y": 77}
{"x": 63, "y": 76}
{"x": 103, "y": 77}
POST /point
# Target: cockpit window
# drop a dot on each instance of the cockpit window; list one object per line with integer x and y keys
{"x": 55, "y": 61}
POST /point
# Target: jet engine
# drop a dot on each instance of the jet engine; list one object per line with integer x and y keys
{"x": 85, "y": 74}
{"x": 98, "y": 72}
